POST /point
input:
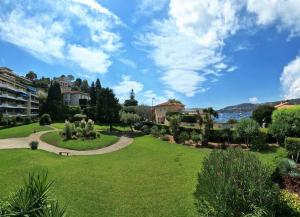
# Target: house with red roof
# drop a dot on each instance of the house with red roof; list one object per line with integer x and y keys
{"x": 162, "y": 109}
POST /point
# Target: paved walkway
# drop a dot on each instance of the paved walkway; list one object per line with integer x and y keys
{"x": 15, "y": 143}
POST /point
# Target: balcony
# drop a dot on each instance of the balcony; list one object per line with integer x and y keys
{"x": 9, "y": 87}
{"x": 21, "y": 99}
{"x": 34, "y": 107}
{"x": 11, "y": 105}
{"x": 7, "y": 96}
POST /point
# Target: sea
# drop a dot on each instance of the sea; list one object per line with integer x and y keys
{"x": 224, "y": 117}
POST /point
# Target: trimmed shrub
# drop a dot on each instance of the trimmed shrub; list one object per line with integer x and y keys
{"x": 145, "y": 129}
{"x": 174, "y": 127}
{"x": 155, "y": 131}
{"x": 260, "y": 142}
{"x": 68, "y": 130}
{"x": 292, "y": 145}
{"x": 163, "y": 131}
{"x": 196, "y": 137}
{"x": 247, "y": 130}
{"x": 34, "y": 145}
{"x": 45, "y": 119}
{"x": 183, "y": 136}
{"x": 235, "y": 183}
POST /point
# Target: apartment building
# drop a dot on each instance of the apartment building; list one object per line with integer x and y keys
{"x": 72, "y": 98}
{"x": 17, "y": 97}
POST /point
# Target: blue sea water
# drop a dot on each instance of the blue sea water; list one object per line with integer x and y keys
{"x": 224, "y": 117}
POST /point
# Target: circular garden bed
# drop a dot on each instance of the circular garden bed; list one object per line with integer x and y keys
{"x": 104, "y": 140}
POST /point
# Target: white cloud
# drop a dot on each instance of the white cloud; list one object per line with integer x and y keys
{"x": 188, "y": 45}
{"x": 123, "y": 88}
{"x": 253, "y": 100}
{"x": 147, "y": 7}
{"x": 285, "y": 12}
{"x": 49, "y": 30}
{"x": 290, "y": 79}
{"x": 90, "y": 59}
{"x": 128, "y": 62}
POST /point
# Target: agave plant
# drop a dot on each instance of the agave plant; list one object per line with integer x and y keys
{"x": 33, "y": 199}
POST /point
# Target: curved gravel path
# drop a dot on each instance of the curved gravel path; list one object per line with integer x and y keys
{"x": 15, "y": 143}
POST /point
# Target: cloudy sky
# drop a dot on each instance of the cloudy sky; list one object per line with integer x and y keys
{"x": 203, "y": 52}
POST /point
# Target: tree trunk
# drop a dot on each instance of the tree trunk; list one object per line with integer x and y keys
{"x": 110, "y": 127}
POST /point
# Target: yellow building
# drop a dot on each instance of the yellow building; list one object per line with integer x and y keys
{"x": 161, "y": 110}
{"x": 283, "y": 105}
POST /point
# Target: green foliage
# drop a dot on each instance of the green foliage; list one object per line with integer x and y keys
{"x": 145, "y": 129}
{"x": 196, "y": 137}
{"x": 31, "y": 75}
{"x": 285, "y": 123}
{"x": 144, "y": 112}
{"x": 68, "y": 132}
{"x": 33, "y": 199}
{"x": 263, "y": 114}
{"x": 174, "y": 126}
{"x": 27, "y": 120}
{"x": 34, "y": 145}
{"x": 208, "y": 121}
{"x": 260, "y": 142}
{"x": 131, "y": 101}
{"x": 292, "y": 201}
{"x": 292, "y": 145}
{"x": 226, "y": 135}
{"x": 189, "y": 118}
{"x": 45, "y": 119}
{"x": 232, "y": 183}
{"x": 183, "y": 136}
{"x": 163, "y": 131}
{"x": 286, "y": 167}
{"x": 155, "y": 131}
{"x": 247, "y": 130}
{"x": 129, "y": 119}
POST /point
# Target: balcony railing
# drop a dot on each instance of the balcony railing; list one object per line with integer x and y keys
{"x": 7, "y": 96}
{"x": 9, "y": 87}
{"x": 10, "y": 105}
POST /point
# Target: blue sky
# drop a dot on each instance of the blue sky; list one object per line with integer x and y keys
{"x": 203, "y": 52}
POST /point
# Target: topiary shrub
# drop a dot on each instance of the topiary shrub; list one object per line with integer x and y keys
{"x": 183, "y": 136}
{"x": 34, "y": 145}
{"x": 235, "y": 183}
{"x": 68, "y": 132}
{"x": 260, "y": 143}
{"x": 292, "y": 145}
{"x": 155, "y": 131}
{"x": 45, "y": 119}
{"x": 145, "y": 129}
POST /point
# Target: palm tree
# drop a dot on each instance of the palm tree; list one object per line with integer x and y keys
{"x": 208, "y": 121}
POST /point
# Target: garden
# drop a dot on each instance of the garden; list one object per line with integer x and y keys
{"x": 173, "y": 170}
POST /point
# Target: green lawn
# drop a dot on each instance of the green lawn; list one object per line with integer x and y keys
{"x": 55, "y": 139}
{"x": 21, "y": 131}
{"x": 148, "y": 178}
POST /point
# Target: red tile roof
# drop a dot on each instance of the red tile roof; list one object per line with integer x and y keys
{"x": 166, "y": 104}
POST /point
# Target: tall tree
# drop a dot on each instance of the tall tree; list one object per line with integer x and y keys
{"x": 93, "y": 94}
{"x": 98, "y": 85}
{"x": 263, "y": 114}
{"x": 108, "y": 107}
{"x": 31, "y": 76}
{"x": 131, "y": 101}
{"x": 84, "y": 86}
{"x": 78, "y": 82}
{"x": 53, "y": 105}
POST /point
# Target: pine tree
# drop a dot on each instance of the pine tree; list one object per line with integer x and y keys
{"x": 53, "y": 105}
{"x": 93, "y": 94}
{"x": 131, "y": 101}
{"x": 98, "y": 85}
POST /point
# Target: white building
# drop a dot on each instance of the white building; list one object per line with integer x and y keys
{"x": 72, "y": 98}
{"x": 17, "y": 97}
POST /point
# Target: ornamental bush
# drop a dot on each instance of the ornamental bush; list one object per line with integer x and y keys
{"x": 145, "y": 129}
{"x": 155, "y": 131}
{"x": 235, "y": 183}
{"x": 292, "y": 145}
{"x": 183, "y": 136}
{"x": 45, "y": 119}
{"x": 247, "y": 130}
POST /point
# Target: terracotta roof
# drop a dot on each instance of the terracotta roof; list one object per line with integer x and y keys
{"x": 169, "y": 104}
{"x": 283, "y": 105}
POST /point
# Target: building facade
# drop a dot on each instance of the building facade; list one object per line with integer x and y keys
{"x": 161, "y": 110}
{"x": 17, "y": 97}
{"x": 65, "y": 83}
{"x": 72, "y": 98}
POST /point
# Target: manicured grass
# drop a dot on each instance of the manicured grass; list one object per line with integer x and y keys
{"x": 21, "y": 131}
{"x": 55, "y": 139}
{"x": 148, "y": 178}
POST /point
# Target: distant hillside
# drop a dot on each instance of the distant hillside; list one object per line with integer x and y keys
{"x": 249, "y": 107}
